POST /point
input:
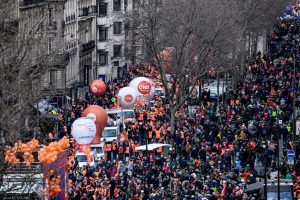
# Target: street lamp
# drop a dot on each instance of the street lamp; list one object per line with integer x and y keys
{"x": 65, "y": 77}
{"x": 72, "y": 35}
{"x": 294, "y": 51}
{"x": 266, "y": 174}
{"x": 278, "y": 161}
{"x": 294, "y": 99}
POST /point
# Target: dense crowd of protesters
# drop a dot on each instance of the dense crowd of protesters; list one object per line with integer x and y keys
{"x": 215, "y": 151}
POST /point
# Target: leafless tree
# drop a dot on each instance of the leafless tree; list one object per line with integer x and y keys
{"x": 192, "y": 31}
{"x": 251, "y": 20}
{"x": 23, "y": 60}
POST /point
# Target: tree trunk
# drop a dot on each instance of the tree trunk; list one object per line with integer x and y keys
{"x": 223, "y": 89}
{"x": 181, "y": 97}
{"x": 133, "y": 48}
{"x": 243, "y": 49}
{"x": 233, "y": 71}
{"x": 234, "y": 75}
{"x": 243, "y": 56}
{"x": 226, "y": 79}
{"x": 255, "y": 48}
{"x": 172, "y": 120}
{"x": 2, "y": 163}
{"x": 250, "y": 42}
{"x": 218, "y": 90}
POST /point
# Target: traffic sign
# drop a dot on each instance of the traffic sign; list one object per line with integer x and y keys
{"x": 291, "y": 154}
{"x": 290, "y": 161}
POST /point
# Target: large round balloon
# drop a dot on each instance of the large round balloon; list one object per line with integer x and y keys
{"x": 128, "y": 97}
{"x": 99, "y": 116}
{"x": 144, "y": 86}
{"x": 83, "y": 130}
{"x": 97, "y": 87}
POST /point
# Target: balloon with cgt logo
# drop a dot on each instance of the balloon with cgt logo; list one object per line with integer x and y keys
{"x": 127, "y": 97}
{"x": 144, "y": 86}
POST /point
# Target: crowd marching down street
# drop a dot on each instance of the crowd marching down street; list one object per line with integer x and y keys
{"x": 215, "y": 153}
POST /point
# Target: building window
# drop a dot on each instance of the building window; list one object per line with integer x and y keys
{"x": 125, "y": 5}
{"x": 84, "y": 11}
{"x": 87, "y": 36}
{"x": 158, "y": 3}
{"x": 50, "y": 16}
{"x": 52, "y": 77}
{"x": 117, "y": 50}
{"x": 117, "y": 27}
{"x": 102, "y": 33}
{"x": 102, "y": 58}
{"x": 86, "y": 74}
{"x": 50, "y": 45}
{"x": 120, "y": 72}
{"x": 116, "y": 63}
{"x": 126, "y": 26}
{"x": 134, "y": 4}
{"x": 102, "y": 9}
{"x": 117, "y": 5}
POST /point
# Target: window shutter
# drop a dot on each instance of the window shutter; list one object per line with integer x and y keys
{"x": 45, "y": 79}
{"x": 59, "y": 79}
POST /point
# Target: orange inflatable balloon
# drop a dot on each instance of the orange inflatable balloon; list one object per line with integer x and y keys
{"x": 97, "y": 87}
{"x": 99, "y": 116}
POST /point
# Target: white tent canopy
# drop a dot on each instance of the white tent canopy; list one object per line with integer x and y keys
{"x": 19, "y": 183}
{"x": 152, "y": 146}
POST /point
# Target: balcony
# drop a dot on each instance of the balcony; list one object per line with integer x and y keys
{"x": 58, "y": 60}
{"x": 87, "y": 12}
{"x": 87, "y": 47}
{"x": 31, "y": 3}
{"x": 54, "y": 90}
{"x": 71, "y": 46}
{"x": 102, "y": 45}
{"x": 70, "y": 18}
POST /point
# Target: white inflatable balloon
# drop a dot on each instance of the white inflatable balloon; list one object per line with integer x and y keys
{"x": 83, "y": 130}
{"x": 128, "y": 97}
{"x": 144, "y": 86}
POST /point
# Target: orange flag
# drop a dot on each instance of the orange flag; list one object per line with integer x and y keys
{"x": 123, "y": 136}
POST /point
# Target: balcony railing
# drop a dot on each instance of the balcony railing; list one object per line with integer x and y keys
{"x": 26, "y": 3}
{"x": 70, "y": 18}
{"x": 60, "y": 59}
{"x": 87, "y": 46}
{"x": 88, "y": 11}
